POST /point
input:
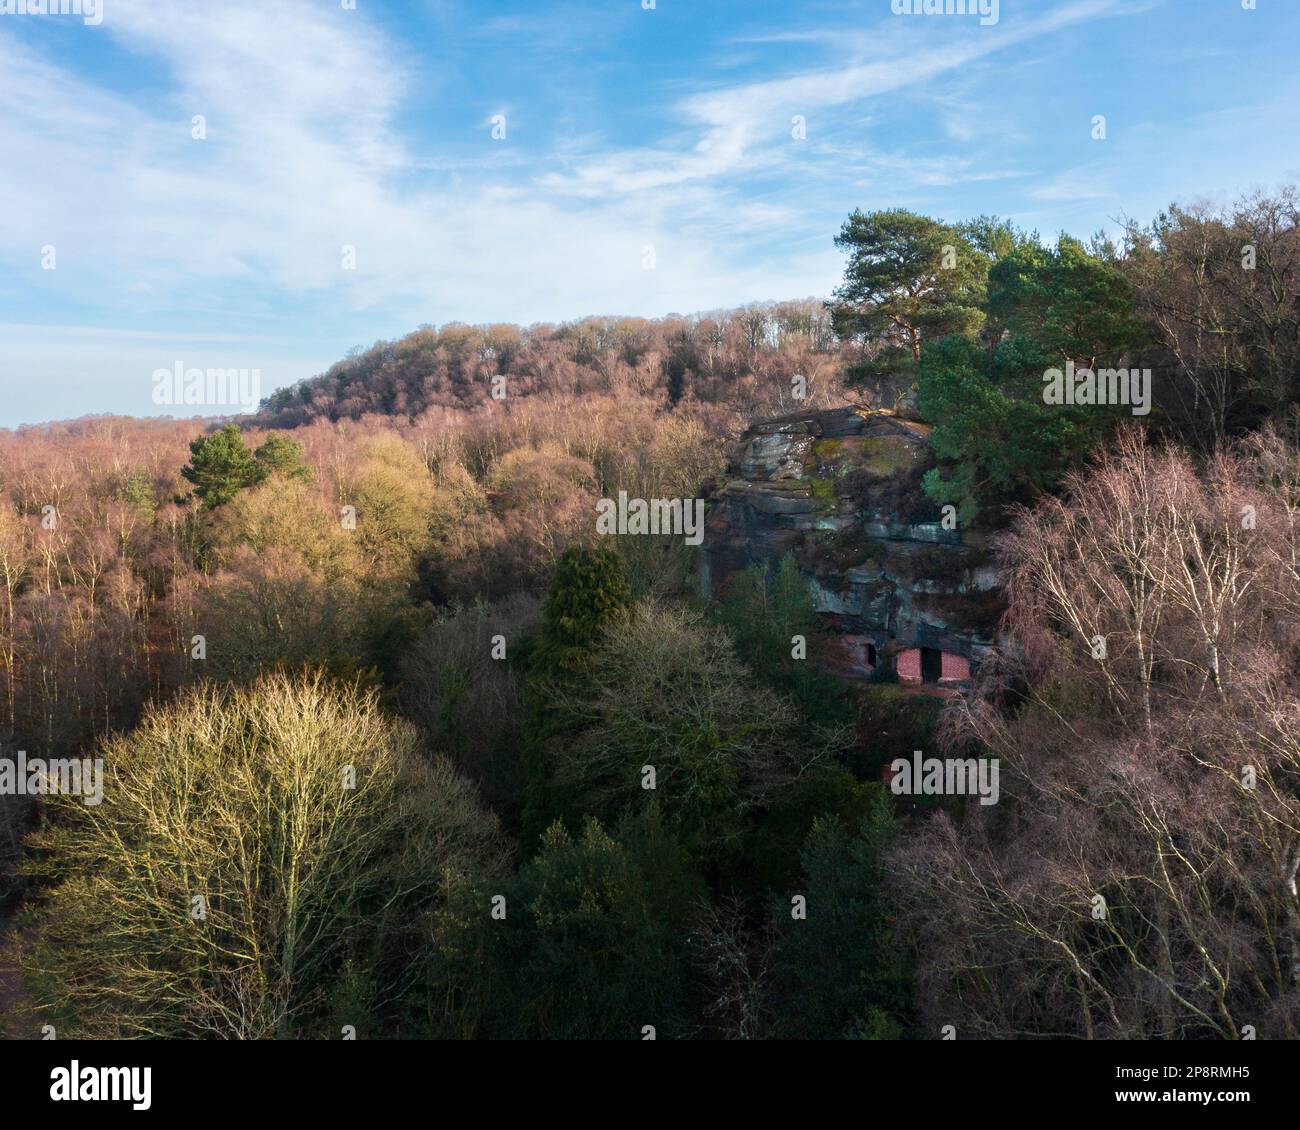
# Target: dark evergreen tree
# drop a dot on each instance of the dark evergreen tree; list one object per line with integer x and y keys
{"x": 587, "y": 941}
{"x": 589, "y": 593}
{"x": 839, "y": 972}
{"x": 220, "y": 466}
{"x": 909, "y": 279}
{"x": 770, "y": 613}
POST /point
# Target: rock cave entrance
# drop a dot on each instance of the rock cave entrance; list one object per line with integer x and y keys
{"x": 932, "y": 665}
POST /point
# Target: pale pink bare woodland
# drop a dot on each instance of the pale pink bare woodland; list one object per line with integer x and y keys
{"x": 1161, "y": 778}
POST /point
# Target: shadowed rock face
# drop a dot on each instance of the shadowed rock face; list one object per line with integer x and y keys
{"x": 841, "y": 490}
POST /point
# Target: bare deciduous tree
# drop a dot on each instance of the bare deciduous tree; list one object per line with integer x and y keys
{"x": 1138, "y": 878}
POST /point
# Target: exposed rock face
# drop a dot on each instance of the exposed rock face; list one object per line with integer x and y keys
{"x": 841, "y": 490}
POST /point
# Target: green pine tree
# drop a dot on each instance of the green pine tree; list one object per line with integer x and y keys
{"x": 839, "y": 972}
{"x": 220, "y": 466}
{"x": 589, "y": 593}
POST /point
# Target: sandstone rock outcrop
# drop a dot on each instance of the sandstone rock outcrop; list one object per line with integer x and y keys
{"x": 841, "y": 490}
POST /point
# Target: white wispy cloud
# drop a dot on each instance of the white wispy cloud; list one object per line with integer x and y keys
{"x": 308, "y": 151}
{"x": 732, "y": 122}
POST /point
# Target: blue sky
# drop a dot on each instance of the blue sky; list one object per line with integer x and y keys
{"x": 625, "y": 129}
